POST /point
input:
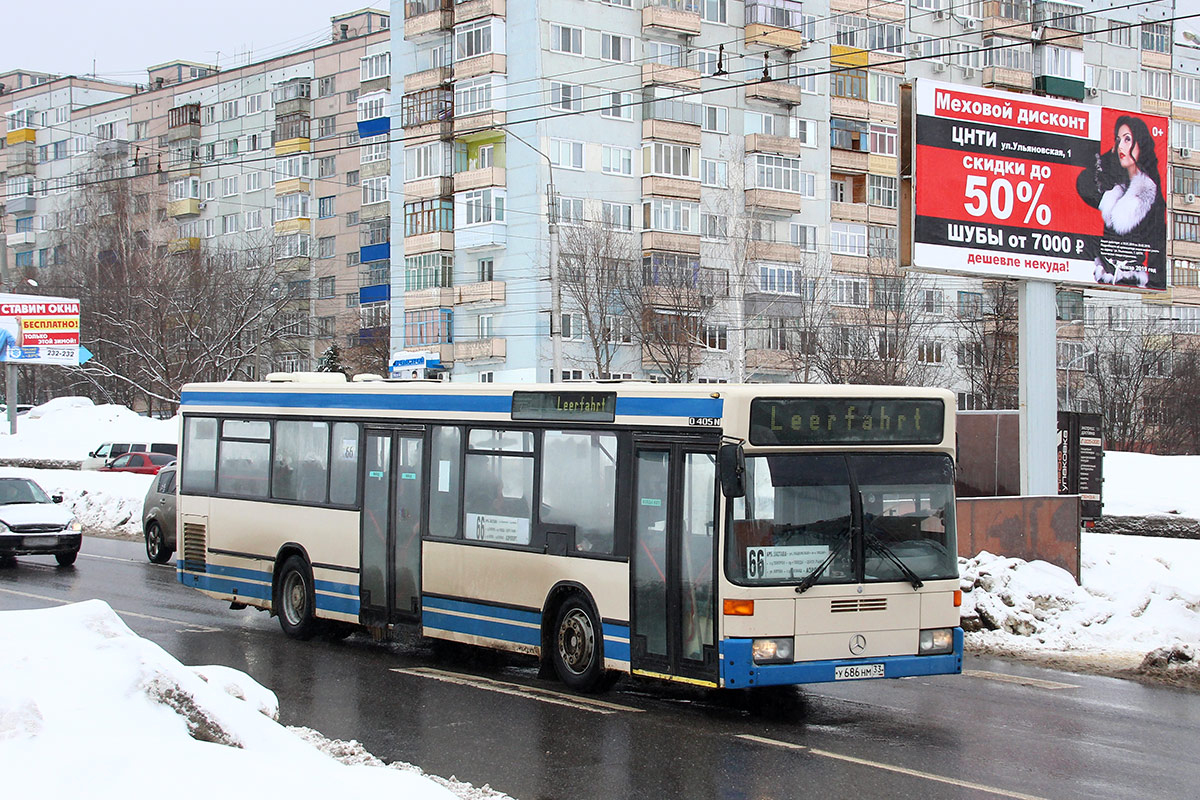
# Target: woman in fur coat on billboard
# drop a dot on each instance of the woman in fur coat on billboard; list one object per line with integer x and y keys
{"x": 1125, "y": 185}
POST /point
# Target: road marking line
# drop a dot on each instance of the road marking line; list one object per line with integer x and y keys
{"x": 518, "y": 690}
{"x": 1018, "y": 679}
{"x": 187, "y": 625}
{"x": 980, "y": 787}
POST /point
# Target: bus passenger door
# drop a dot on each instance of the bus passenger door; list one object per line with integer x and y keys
{"x": 673, "y": 563}
{"x": 392, "y": 523}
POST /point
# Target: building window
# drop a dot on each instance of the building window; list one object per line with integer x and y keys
{"x": 617, "y": 216}
{"x": 566, "y": 96}
{"x": 617, "y": 105}
{"x": 325, "y": 207}
{"x": 473, "y": 39}
{"x": 326, "y": 246}
{"x": 376, "y": 66}
{"x": 617, "y": 160}
{"x": 564, "y": 39}
{"x": 566, "y": 153}
{"x": 851, "y": 83}
{"x": 882, "y": 191}
{"x": 482, "y": 206}
{"x": 847, "y": 239}
{"x": 326, "y": 287}
{"x": 486, "y": 270}
{"x": 804, "y": 237}
{"x": 714, "y": 173}
{"x": 779, "y": 173}
{"x": 615, "y": 48}
{"x": 570, "y": 210}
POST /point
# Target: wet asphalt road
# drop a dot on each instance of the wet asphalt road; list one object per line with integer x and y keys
{"x": 1002, "y": 730}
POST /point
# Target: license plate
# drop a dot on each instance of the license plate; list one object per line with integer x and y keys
{"x": 40, "y": 541}
{"x": 852, "y": 672}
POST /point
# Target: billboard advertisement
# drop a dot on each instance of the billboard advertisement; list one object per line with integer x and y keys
{"x": 39, "y": 330}
{"x": 1019, "y": 186}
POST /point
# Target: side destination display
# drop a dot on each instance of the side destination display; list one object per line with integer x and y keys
{"x": 846, "y": 421}
{"x": 579, "y": 406}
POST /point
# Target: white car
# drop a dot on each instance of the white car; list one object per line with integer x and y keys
{"x": 33, "y": 523}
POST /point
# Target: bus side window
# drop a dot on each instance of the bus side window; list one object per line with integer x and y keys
{"x": 579, "y": 485}
{"x": 445, "y": 482}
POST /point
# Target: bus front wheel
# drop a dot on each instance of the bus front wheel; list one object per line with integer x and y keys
{"x": 296, "y": 600}
{"x": 577, "y": 647}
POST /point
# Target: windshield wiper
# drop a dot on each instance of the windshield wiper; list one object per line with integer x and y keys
{"x": 815, "y": 575}
{"x": 879, "y": 547}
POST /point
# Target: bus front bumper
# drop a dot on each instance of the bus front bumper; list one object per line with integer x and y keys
{"x": 738, "y": 670}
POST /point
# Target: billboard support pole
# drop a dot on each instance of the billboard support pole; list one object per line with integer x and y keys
{"x": 1037, "y": 389}
{"x": 10, "y": 395}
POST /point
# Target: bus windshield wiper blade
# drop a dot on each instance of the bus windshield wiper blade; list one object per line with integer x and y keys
{"x": 813, "y": 576}
{"x": 879, "y": 547}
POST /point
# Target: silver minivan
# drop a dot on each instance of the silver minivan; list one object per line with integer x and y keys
{"x": 158, "y": 516}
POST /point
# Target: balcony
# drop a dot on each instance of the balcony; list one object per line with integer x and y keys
{"x": 671, "y": 242}
{"x": 183, "y": 122}
{"x": 292, "y": 186}
{"x": 676, "y": 17}
{"x": 437, "y": 297}
{"x": 493, "y": 348}
{"x": 439, "y": 186}
{"x": 849, "y": 160}
{"x": 428, "y": 79}
{"x": 379, "y": 293}
{"x": 478, "y": 123}
{"x": 488, "y": 236}
{"x": 293, "y": 134}
{"x": 467, "y": 10}
{"x": 187, "y": 207}
{"x": 422, "y": 17}
{"x": 1007, "y": 18}
{"x": 1006, "y": 78}
{"x": 670, "y": 187}
{"x": 771, "y": 201}
{"x": 22, "y": 160}
{"x": 779, "y": 145}
{"x": 428, "y": 113}
{"x": 776, "y": 251}
{"x": 480, "y": 65}
{"x": 671, "y": 76}
{"x": 297, "y": 225}
{"x": 848, "y": 212}
{"x": 776, "y": 25}
{"x": 112, "y": 147}
{"x": 428, "y": 242}
{"x": 22, "y": 204}
{"x": 483, "y": 292}
{"x": 1059, "y": 87}
{"x": 776, "y": 92}
{"x": 477, "y": 179}
{"x": 184, "y": 245}
{"x": 668, "y": 131}
{"x": 21, "y": 136}
{"x": 24, "y": 240}
{"x": 375, "y": 252}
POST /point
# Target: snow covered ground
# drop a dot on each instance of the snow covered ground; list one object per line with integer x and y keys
{"x": 70, "y": 671}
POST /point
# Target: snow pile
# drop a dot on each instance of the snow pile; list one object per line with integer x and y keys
{"x": 68, "y": 428}
{"x": 1138, "y": 596}
{"x": 103, "y": 502}
{"x": 84, "y": 692}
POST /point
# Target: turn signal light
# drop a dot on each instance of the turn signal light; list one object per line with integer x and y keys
{"x": 739, "y": 608}
{"x": 957, "y": 598}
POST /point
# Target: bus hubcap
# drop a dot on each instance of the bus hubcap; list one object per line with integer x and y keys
{"x": 575, "y": 641}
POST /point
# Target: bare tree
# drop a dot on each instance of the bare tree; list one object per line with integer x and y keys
{"x": 594, "y": 265}
{"x": 158, "y": 311}
{"x": 1129, "y": 363}
{"x": 1173, "y": 403}
{"x": 986, "y": 339}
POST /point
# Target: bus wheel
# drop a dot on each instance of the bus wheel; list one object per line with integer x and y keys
{"x": 577, "y": 649}
{"x": 295, "y": 600}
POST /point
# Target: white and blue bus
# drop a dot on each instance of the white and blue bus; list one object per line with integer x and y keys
{"x": 720, "y": 535}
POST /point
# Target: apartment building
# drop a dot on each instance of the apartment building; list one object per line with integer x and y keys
{"x": 747, "y": 147}
{"x": 282, "y": 153}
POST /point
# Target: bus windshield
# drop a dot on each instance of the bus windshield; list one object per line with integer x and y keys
{"x": 852, "y": 517}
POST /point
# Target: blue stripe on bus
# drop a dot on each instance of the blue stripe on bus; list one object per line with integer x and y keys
{"x": 616, "y": 642}
{"x": 460, "y": 403}
{"x": 488, "y": 629}
{"x": 330, "y": 595}
{"x": 482, "y": 609}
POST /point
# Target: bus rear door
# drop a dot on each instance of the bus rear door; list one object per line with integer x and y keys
{"x": 673, "y": 562}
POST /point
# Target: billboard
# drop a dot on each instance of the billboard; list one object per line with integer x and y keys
{"x": 39, "y": 330}
{"x": 1018, "y": 186}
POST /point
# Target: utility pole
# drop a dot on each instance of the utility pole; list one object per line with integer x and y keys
{"x": 10, "y": 367}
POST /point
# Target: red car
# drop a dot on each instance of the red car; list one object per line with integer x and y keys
{"x": 141, "y": 463}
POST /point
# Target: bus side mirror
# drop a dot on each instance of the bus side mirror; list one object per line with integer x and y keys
{"x": 731, "y": 467}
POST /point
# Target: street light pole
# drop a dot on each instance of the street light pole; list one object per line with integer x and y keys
{"x": 555, "y": 283}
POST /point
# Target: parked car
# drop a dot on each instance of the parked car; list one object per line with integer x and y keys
{"x": 158, "y": 516}
{"x": 33, "y": 523}
{"x": 141, "y": 463}
{"x": 110, "y": 450}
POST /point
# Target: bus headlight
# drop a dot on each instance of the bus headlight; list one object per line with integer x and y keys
{"x": 773, "y": 651}
{"x": 935, "y": 641}
{"x": 75, "y": 527}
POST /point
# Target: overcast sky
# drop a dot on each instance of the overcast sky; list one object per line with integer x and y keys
{"x": 124, "y": 37}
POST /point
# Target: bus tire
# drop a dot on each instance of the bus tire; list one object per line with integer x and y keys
{"x": 577, "y": 646}
{"x": 295, "y": 600}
